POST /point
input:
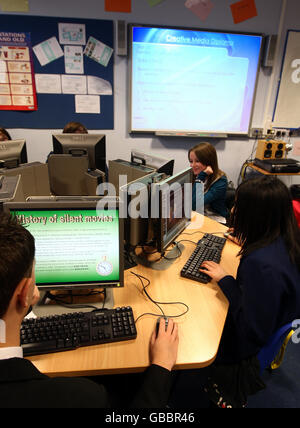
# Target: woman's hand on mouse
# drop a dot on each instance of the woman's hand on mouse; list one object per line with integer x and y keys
{"x": 164, "y": 346}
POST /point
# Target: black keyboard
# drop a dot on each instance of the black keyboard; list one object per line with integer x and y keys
{"x": 57, "y": 333}
{"x": 208, "y": 248}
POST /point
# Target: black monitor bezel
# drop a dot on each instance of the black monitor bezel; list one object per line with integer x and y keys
{"x": 17, "y": 158}
{"x": 75, "y": 204}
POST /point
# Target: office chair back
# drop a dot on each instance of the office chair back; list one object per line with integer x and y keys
{"x": 271, "y": 355}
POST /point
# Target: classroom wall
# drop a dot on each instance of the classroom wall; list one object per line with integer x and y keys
{"x": 231, "y": 152}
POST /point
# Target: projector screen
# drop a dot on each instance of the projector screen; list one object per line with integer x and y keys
{"x": 187, "y": 82}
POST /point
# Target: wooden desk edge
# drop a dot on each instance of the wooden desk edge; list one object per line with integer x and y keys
{"x": 100, "y": 372}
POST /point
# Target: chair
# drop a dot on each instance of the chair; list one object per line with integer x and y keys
{"x": 271, "y": 355}
{"x": 230, "y": 197}
{"x": 229, "y": 201}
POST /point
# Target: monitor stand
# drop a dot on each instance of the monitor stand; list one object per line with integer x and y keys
{"x": 154, "y": 262}
{"x": 46, "y": 306}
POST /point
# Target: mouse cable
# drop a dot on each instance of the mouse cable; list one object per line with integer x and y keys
{"x": 140, "y": 277}
{"x": 59, "y": 300}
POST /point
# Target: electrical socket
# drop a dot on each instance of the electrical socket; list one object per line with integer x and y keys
{"x": 256, "y": 133}
{"x": 282, "y": 133}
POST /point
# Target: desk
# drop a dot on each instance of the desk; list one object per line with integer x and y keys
{"x": 200, "y": 329}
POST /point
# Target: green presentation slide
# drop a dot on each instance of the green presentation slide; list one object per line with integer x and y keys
{"x": 74, "y": 246}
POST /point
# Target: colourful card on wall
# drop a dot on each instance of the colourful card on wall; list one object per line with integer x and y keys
{"x": 14, "y": 5}
{"x": 154, "y": 2}
{"x": 118, "y": 6}
{"x": 201, "y": 8}
{"x": 243, "y": 10}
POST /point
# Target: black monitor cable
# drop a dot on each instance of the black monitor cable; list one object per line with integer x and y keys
{"x": 60, "y": 299}
{"x": 144, "y": 287}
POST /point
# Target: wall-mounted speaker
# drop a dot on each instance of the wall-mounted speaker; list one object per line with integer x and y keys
{"x": 270, "y": 149}
{"x": 121, "y": 38}
{"x": 269, "y": 51}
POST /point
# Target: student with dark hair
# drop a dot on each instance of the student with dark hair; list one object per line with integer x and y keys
{"x": 265, "y": 295}
{"x": 4, "y": 135}
{"x": 21, "y": 383}
{"x": 75, "y": 128}
{"x": 72, "y": 128}
{"x": 204, "y": 162}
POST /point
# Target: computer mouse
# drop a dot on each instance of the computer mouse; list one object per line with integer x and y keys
{"x": 158, "y": 324}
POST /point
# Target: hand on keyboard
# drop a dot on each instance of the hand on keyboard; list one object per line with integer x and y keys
{"x": 213, "y": 270}
{"x": 209, "y": 248}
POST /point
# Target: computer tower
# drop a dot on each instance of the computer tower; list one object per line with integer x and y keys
{"x": 11, "y": 189}
{"x": 130, "y": 172}
{"x": 34, "y": 178}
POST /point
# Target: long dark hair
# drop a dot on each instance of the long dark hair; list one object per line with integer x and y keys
{"x": 207, "y": 155}
{"x": 263, "y": 211}
{"x": 4, "y": 132}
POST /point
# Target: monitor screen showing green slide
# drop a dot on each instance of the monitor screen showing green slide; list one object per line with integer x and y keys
{"x": 77, "y": 244}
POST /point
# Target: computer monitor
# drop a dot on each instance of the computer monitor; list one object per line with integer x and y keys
{"x": 79, "y": 245}
{"x": 12, "y": 153}
{"x": 159, "y": 163}
{"x": 135, "y": 198}
{"x": 92, "y": 145}
{"x": 171, "y": 208}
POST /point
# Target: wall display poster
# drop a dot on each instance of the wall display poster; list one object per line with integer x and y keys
{"x": 118, "y": 6}
{"x": 243, "y": 10}
{"x": 17, "y": 83}
{"x": 200, "y": 8}
{"x": 70, "y": 69}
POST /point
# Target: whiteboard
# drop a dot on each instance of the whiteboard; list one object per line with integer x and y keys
{"x": 287, "y": 108}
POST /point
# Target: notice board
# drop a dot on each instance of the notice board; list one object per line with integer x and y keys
{"x": 287, "y": 108}
{"x": 73, "y": 67}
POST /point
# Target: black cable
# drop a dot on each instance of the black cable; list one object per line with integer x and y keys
{"x": 140, "y": 277}
{"x": 58, "y": 299}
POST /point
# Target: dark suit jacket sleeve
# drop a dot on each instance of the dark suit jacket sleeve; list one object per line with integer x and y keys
{"x": 155, "y": 389}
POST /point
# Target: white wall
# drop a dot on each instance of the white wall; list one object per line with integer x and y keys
{"x": 232, "y": 152}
